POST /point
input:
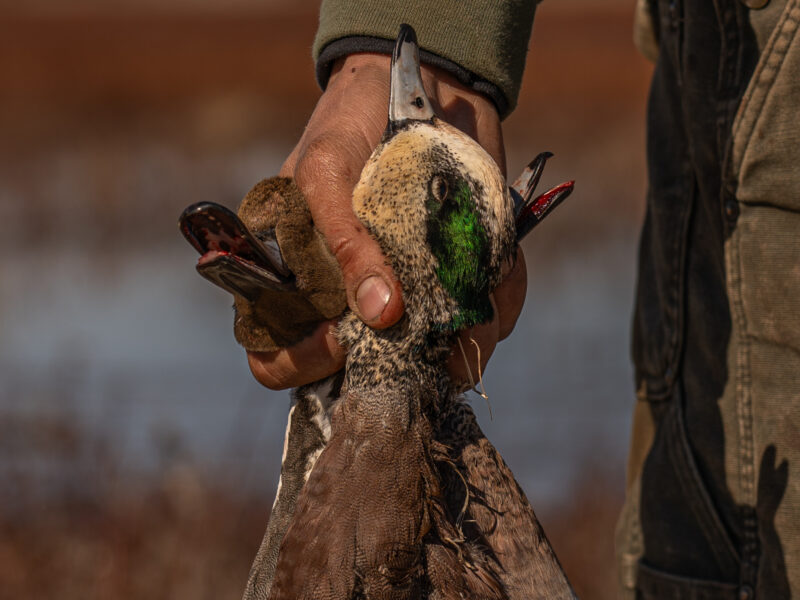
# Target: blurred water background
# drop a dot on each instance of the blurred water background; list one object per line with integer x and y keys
{"x": 138, "y": 457}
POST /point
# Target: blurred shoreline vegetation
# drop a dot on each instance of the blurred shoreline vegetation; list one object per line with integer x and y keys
{"x": 100, "y": 532}
{"x": 92, "y": 89}
{"x": 138, "y": 459}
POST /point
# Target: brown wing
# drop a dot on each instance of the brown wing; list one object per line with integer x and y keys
{"x": 306, "y": 435}
{"x": 529, "y": 568}
{"x": 372, "y": 521}
{"x": 362, "y": 514}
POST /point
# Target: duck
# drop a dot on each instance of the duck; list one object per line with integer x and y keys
{"x": 389, "y": 489}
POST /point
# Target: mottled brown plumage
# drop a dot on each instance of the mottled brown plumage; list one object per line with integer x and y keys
{"x": 499, "y": 512}
{"x": 307, "y": 433}
{"x": 360, "y": 521}
{"x": 408, "y": 499}
{"x": 389, "y": 489}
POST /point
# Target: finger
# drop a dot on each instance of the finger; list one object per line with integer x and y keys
{"x": 478, "y": 118}
{"x": 326, "y": 175}
{"x": 472, "y": 113}
{"x": 510, "y": 295}
{"x": 312, "y": 359}
{"x": 288, "y": 167}
{"x": 490, "y": 134}
{"x": 479, "y": 342}
{"x": 468, "y": 360}
{"x": 327, "y": 167}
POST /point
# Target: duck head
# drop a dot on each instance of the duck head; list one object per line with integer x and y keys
{"x": 438, "y": 205}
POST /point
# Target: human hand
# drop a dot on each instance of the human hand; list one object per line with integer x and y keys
{"x": 344, "y": 128}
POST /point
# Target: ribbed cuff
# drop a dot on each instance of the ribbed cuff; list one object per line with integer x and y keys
{"x": 483, "y": 43}
{"x": 351, "y": 45}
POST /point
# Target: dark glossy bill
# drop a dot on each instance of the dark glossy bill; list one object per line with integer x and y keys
{"x": 233, "y": 257}
{"x": 534, "y": 212}
{"x": 530, "y": 211}
{"x": 526, "y": 183}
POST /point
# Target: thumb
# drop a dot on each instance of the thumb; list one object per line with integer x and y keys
{"x": 327, "y": 170}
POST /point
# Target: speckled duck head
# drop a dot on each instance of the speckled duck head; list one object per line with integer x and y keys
{"x": 438, "y": 205}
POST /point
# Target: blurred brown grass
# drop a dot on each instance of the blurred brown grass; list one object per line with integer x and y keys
{"x": 213, "y": 83}
{"x": 187, "y": 537}
{"x": 109, "y": 70}
{"x": 98, "y": 530}
{"x": 179, "y": 539}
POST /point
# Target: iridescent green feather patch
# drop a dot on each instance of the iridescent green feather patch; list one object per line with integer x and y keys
{"x": 459, "y": 241}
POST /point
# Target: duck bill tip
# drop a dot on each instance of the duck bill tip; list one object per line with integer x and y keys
{"x": 407, "y": 98}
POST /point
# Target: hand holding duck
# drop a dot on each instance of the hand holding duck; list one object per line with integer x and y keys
{"x": 393, "y": 491}
{"x": 346, "y": 126}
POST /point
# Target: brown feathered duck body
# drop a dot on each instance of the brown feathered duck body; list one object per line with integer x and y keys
{"x": 389, "y": 489}
{"x": 408, "y": 499}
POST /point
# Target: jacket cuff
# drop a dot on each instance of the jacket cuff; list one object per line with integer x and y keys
{"x": 483, "y": 43}
{"x": 351, "y": 45}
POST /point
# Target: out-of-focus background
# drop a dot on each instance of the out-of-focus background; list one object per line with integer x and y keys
{"x": 138, "y": 458}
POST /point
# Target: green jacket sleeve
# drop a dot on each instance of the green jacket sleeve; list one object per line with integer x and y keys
{"x": 483, "y": 42}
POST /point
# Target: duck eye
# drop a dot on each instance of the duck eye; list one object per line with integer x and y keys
{"x": 438, "y": 187}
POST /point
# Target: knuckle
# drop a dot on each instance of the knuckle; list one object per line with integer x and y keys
{"x": 328, "y": 159}
{"x": 350, "y": 248}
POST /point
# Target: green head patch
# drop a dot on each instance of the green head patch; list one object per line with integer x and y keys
{"x": 460, "y": 244}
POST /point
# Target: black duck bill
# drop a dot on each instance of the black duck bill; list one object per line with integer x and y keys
{"x": 231, "y": 256}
